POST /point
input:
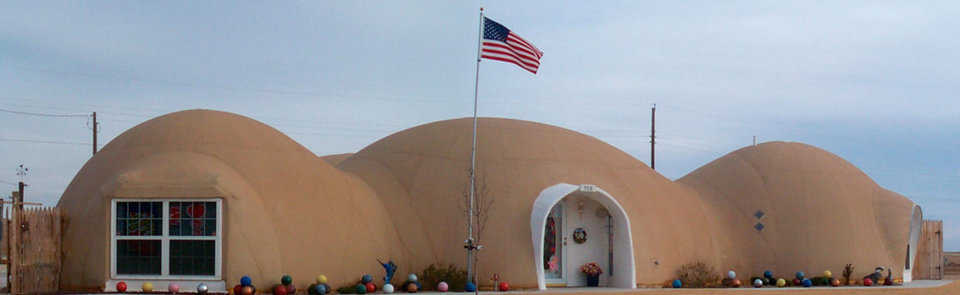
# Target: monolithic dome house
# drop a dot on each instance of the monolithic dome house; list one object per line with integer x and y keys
{"x": 210, "y": 196}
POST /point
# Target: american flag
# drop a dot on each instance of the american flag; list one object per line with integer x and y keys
{"x": 499, "y": 43}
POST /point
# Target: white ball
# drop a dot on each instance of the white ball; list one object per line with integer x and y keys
{"x": 757, "y": 283}
{"x": 731, "y": 275}
{"x": 412, "y": 277}
{"x": 387, "y": 288}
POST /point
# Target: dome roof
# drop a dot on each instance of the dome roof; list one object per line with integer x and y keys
{"x": 815, "y": 207}
{"x": 283, "y": 205}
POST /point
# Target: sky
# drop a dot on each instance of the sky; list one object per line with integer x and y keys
{"x": 874, "y": 82}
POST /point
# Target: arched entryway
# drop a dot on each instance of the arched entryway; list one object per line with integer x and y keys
{"x": 916, "y": 222}
{"x": 557, "y": 213}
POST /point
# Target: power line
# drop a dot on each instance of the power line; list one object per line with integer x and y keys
{"x": 8, "y": 182}
{"x": 44, "y": 141}
{"x": 44, "y": 114}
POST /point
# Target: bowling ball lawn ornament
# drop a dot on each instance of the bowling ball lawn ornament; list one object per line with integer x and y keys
{"x": 412, "y": 277}
{"x": 412, "y": 288}
{"x": 677, "y": 284}
{"x": 286, "y": 280}
{"x": 828, "y": 274}
{"x": 887, "y": 282}
{"x": 757, "y": 283}
{"x": 366, "y": 279}
{"x": 867, "y": 282}
{"x": 736, "y": 283}
{"x": 443, "y": 287}
{"x": 835, "y": 282}
{"x": 291, "y": 288}
{"x": 388, "y": 288}
{"x": 246, "y": 290}
{"x": 731, "y": 275}
{"x": 279, "y": 290}
{"x": 360, "y": 289}
{"x": 768, "y": 274}
{"x": 767, "y": 281}
{"x": 122, "y": 286}
{"x": 781, "y": 283}
{"x": 504, "y": 287}
{"x": 237, "y": 289}
{"x": 321, "y": 279}
{"x": 173, "y": 288}
{"x": 245, "y": 281}
{"x": 796, "y": 282}
{"x": 202, "y": 288}
{"x": 807, "y": 283}
{"x": 312, "y": 289}
{"x": 800, "y": 275}
{"x": 370, "y": 287}
{"x": 147, "y": 287}
{"x": 470, "y": 287}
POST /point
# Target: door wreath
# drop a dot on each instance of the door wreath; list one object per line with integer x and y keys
{"x": 579, "y": 235}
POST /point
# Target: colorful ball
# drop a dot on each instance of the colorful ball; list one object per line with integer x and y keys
{"x": 835, "y": 282}
{"x": 327, "y": 288}
{"x": 245, "y": 281}
{"x": 371, "y": 287}
{"x": 736, "y": 283}
{"x": 412, "y": 288}
{"x": 796, "y": 282}
{"x": 286, "y": 280}
{"x": 387, "y": 288}
{"x": 470, "y": 287}
{"x": 321, "y": 279}
{"x": 237, "y": 289}
{"x": 504, "y": 287}
{"x": 800, "y": 275}
{"x": 768, "y": 274}
{"x": 360, "y": 289}
{"x": 443, "y": 287}
{"x": 279, "y": 290}
{"x": 246, "y": 290}
{"x": 887, "y": 282}
{"x": 121, "y": 286}
{"x": 412, "y": 277}
{"x": 828, "y": 273}
{"x": 366, "y": 279}
{"x": 147, "y": 287}
{"x": 173, "y": 288}
{"x": 807, "y": 283}
{"x": 731, "y": 275}
{"x": 291, "y": 288}
{"x": 867, "y": 282}
{"x": 757, "y": 283}
{"x": 781, "y": 283}
{"x": 677, "y": 284}
{"x": 202, "y": 288}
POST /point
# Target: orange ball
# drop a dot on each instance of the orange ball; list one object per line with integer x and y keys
{"x": 412, "y": 288}
{"x": 736, "y": 283}
{"x": 246, "y": 290}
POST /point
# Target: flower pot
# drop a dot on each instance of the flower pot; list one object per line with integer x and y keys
{"x": 593, "y": 280}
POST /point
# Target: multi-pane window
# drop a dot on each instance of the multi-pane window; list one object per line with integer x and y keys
{"x": 166, "y": 238}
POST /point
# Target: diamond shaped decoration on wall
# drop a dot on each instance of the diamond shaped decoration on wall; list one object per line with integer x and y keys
{"x": 759, "y": 214}
{"x": 758, "y": 226}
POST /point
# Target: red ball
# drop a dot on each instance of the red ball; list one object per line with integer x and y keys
{"x": 237, "y": 289}
{"x": 867, "y": 282}
{"x": 796, "y": 282}
{"x": 121, "y": 287}
{"x": 279, "y": 290}
{"x": 504, "y": 287}
{"x": 371, "y": 287}
{"x": 888, "y": 282}
{"x": 736, "y": 283}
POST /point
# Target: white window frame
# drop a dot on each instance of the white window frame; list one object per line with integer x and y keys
{"x": 165, "y": 241}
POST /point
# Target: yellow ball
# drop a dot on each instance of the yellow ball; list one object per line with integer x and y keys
{"x": 321, "y": 279}
{"x": 827, "y": 273}
{"x": 781, "y": 282}
{"x": 147, "y": 287}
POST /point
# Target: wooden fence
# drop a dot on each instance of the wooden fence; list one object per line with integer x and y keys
{"x": 34, "y": 250}
{"x": 929, "y": 259}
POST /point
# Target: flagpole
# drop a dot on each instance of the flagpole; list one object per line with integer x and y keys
{"x": 473, "y": 159}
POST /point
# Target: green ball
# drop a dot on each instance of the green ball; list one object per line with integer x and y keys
{"x": 361, "y": 289}
{"x": 286, "y": 280}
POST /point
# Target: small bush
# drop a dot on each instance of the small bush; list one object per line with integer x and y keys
{"x": 697, "y": 275}
{"x": 455, "y": 277}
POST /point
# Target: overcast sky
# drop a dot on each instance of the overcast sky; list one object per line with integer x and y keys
{"x": 874, "y": 82}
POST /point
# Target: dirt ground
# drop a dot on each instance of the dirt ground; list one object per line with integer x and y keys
{"x": 951, "y": 288}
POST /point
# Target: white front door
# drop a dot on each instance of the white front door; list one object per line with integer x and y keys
{"x": 553, "y": 247}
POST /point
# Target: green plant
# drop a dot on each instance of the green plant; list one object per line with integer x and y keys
{"x": 847, "y": 272}
{"x": 348, "y": 289}
{"x": 697, "y": 274}
{"x": 820, "y": 281}
{"x": 455, "y": 277}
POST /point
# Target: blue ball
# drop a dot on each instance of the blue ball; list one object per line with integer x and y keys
{"x": 768, "y": 274}
{"x": 245, "y": 281}
{"x": 807, "y": 283}
{"x": 800, "y": 275}
{"x": 677, "y": 284}
{"x": 320, "y": 289}
{"x": 367, "y": 279}
{"x": 471, "y": 287}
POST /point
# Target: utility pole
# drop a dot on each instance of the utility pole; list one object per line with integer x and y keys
{"x": 653, "y": 136}
{"x": 16, "y": 218}
{"x": 95, "y": 133}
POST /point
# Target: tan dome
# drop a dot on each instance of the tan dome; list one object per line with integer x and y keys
{"x": 819, "y": 212}
{"x": 421, "y": 172}
{"x": 286, "y": 211}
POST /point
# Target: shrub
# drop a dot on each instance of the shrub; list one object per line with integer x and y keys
{"x": 697, "y": 274}
{"x": 455, "y": 277}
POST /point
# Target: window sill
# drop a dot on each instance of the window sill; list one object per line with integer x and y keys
{"x": 186, "y": 285}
